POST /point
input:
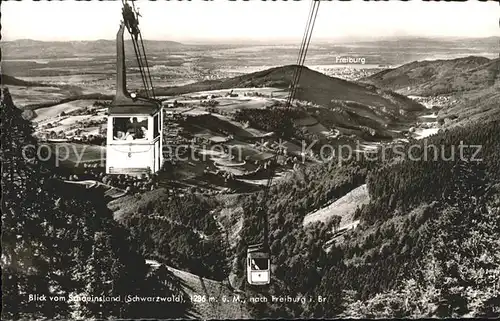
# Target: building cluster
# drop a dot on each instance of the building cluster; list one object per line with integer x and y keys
{"x": 435, "y": 102}
{"x": 350, "y": 74}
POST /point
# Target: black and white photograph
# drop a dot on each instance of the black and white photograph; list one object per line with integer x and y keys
{"x": 250, "y": 159}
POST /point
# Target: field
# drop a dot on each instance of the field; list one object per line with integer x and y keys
{"x": 343, "y": 207}
{"x": 48, "y": 113}
{"x": 223, "y": 146}
{"x": 81, "y": 118}
{"x": 75, "y": 155}
{"x": 35, "y": 95}
{"x": 68, "y": 71}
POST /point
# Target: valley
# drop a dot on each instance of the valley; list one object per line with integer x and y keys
{"x": 217, "y": 131}
{"x": 460, "y": 90}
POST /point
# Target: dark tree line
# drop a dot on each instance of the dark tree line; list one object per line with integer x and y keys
{"x": 182, "y": 232}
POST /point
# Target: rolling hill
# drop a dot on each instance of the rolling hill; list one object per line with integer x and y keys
{"x": 338, "y": 103}
{"x": 7, "y": 80}
{"x": 427, "y": 78}
{"x": 479, "y": 100}
{"x": 478, "y": 106}
{"x": 313, "y": 86}
{"x": 473, "y": 82}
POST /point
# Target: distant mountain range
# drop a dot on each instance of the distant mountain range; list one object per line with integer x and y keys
{"x": 27, "y": 48}
{"x": 346, "y": 40}
{"x": 440, "y": 41}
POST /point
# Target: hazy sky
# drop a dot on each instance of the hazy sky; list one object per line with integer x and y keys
{"x": 200, "y": 21}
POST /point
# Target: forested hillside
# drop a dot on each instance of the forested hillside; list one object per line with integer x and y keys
{"x": 179, "y": 231}
{"x": 472, "y": 84}
{"x": 427, "y": 245}
{"x": 433, "y": 77}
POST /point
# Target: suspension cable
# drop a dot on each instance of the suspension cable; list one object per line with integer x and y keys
{"x": 294, "y": 90}
{"x": 139, "y": 63}
{"x": 312, "y": 21}
{"x": 302, "y": 44}
{"x": 301, "y": 59}
{"x": 130, "y": 16}
{"x": 304, "y": 36}
{"x": 263, "y": 207}
{"x": 147, "y": 71}
{"x": 301, "y": 52}
{"x": 147, "y": 67}
{"x": 143, "y": 71}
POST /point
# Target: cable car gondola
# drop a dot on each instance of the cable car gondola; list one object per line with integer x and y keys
{"x": 258, "y": 265}
{"x": 134, "y": 142}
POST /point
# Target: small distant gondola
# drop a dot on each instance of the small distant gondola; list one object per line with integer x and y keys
{"x": 258, "y": 265}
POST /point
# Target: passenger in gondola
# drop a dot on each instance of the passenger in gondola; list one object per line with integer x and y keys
{"x": 120, "y": 128}
{"x": 254, "y": 265}
{"x": 136, "y": 129}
